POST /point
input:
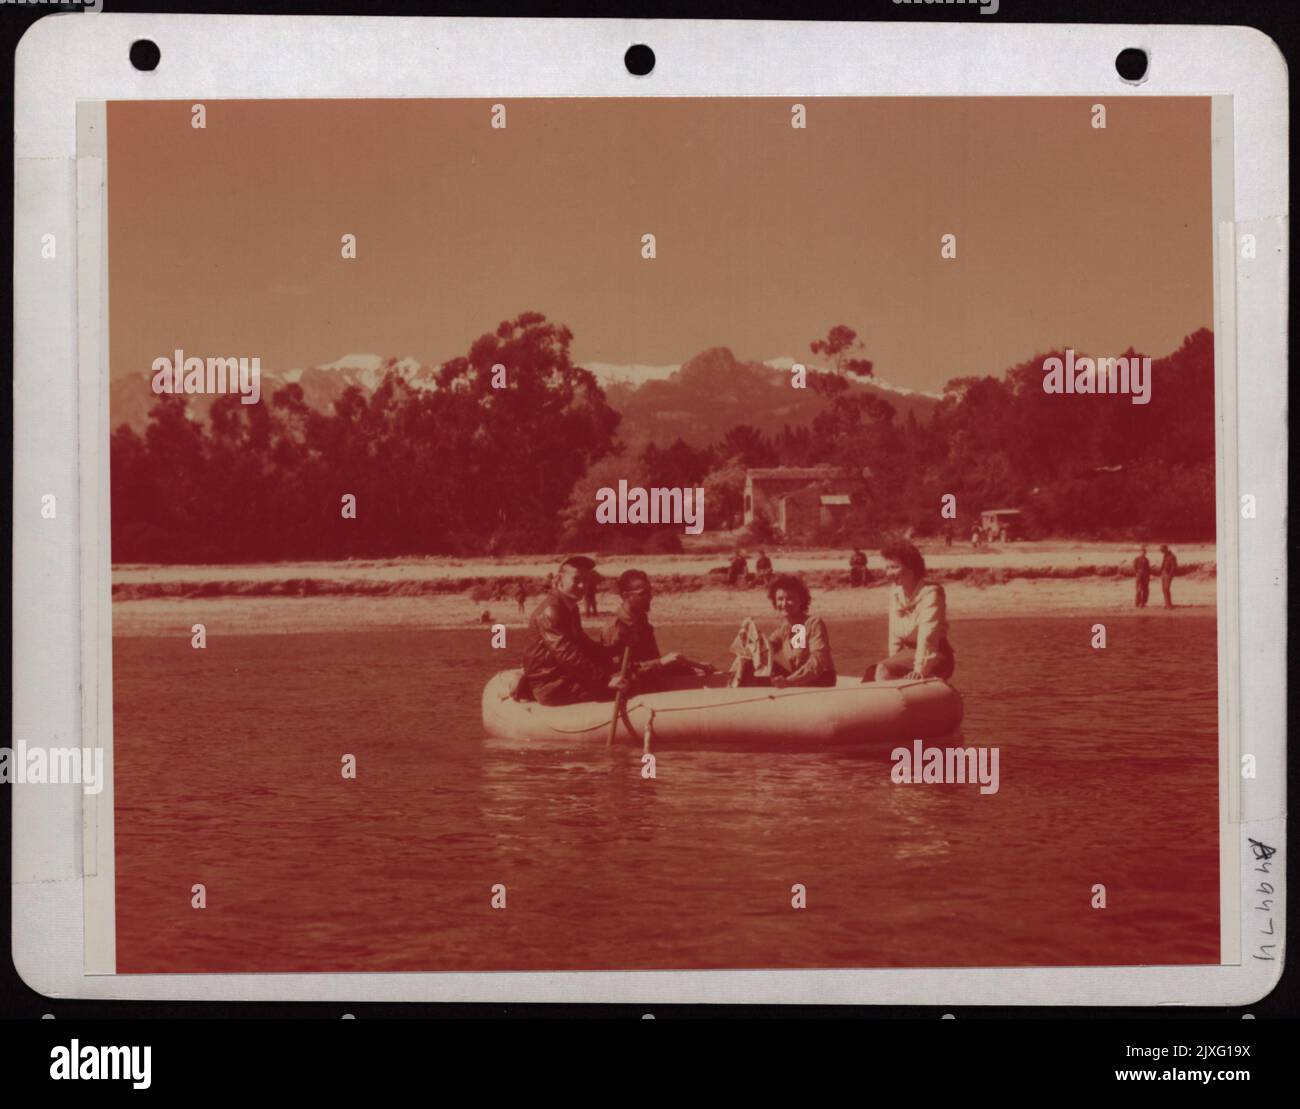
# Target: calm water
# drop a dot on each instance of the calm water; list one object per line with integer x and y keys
{"x": 227, "y": 773}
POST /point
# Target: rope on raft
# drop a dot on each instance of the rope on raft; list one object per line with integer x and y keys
{"x": 787, "y": 692}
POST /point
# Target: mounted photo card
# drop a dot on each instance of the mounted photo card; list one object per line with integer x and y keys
{"x": 669, "y": 512}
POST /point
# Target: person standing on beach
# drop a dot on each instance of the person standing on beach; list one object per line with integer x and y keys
{"x": 589, "y": 594}
{"x": 562, "y": 665}
{"x": 918, "y": 621}
{"x": 1168, "y": 568}
{"x": 1142, "y": 568}
{"x": 763, "y": 567}
{"x": 521, "y": 595}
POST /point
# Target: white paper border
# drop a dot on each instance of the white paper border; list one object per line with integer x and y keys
{"x": 69, "y": 57}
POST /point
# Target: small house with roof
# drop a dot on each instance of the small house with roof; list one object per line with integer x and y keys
{"x": 797, "y": 500}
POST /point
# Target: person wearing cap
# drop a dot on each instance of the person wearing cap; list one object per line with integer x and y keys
{"x": 562, "y": 664}
{"x": 630, "y": 629}
{"x": 1168, "y": 568}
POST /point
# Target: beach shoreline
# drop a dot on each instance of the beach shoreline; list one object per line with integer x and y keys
{"x": 1012, "y": 581}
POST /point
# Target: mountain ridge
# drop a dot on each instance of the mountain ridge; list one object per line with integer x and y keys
{"x": 698, "y": 400}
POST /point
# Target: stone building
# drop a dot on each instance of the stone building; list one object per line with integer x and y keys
{"x": 797, "y": 500}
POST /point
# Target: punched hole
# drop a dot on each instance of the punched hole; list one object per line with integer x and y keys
{"x": 145, "y": 55}
{"x": 639, "y": 59}
{"x": 1131, "y": 64}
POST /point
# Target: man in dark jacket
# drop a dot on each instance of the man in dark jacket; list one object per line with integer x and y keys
{"x": 1168, "y": 568}
{"x": 1142, "y": 578}
{"x": 561, "y": 664}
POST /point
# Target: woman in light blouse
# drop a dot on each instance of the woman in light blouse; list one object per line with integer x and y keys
{"x": 918, "y": 621}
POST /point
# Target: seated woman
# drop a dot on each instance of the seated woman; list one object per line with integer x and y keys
{"x": 799, "y": 651}
{"x": 918, "y": 621}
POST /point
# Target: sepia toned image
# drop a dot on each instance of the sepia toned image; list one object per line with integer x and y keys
{"x": 594, "y": 534}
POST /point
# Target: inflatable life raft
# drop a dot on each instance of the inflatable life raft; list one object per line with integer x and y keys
{"x": 847, "y": 714}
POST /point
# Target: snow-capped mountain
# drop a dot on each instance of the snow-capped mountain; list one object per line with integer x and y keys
{"x": 878, "y": 382}
{"x": 636, "y": 373}
{"x": 130, "y": 397}
{"x": 696, "y": 401}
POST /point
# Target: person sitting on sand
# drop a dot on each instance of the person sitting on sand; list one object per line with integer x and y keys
{"x": 857, "y": 568}
{"x": 918, "y": 621}
{"x": 799, "y": 650}
{"x": 630, "y": 629}
{"x": 738, "y": 570}
{"x": 562, "y": 665}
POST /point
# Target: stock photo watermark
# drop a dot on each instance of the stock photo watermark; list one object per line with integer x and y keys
{"x": 926, "y": 765}
{"x": 986, "y": 7}
{"x": 23, "y": 765}
{"x": 1128, "y": 375}
{"x": 242, "y": 376}
{"x": 635, "y": 505}
{"x": 85, "y": 5}
{"x": 88, "y": 1062}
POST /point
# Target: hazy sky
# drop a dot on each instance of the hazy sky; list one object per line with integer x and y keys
{"x": 226, "y": 240}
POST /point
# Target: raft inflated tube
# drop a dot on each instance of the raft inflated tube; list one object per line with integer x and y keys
{"x": 850, "y": 713}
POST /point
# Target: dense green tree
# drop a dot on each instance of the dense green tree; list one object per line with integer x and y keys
{"x": 510, "y": 460}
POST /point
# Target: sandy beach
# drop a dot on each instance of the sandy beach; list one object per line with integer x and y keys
{"x": 1015, "y": 580}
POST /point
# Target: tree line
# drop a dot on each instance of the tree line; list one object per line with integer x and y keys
{"x": 468, "y": 469}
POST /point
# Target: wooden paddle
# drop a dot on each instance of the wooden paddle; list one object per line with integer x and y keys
{"x": 620, "y": 698}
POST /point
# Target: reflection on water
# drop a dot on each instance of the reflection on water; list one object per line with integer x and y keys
{"x": 228, "y": 773}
